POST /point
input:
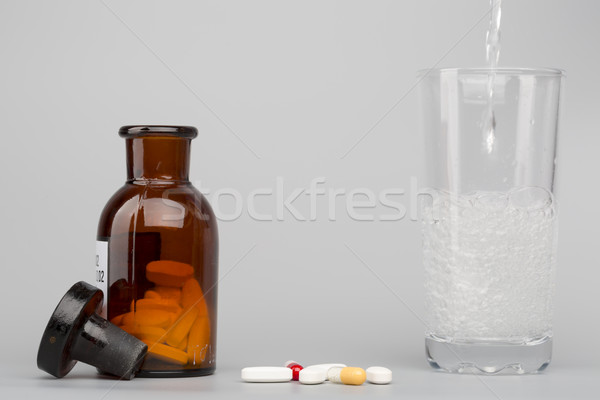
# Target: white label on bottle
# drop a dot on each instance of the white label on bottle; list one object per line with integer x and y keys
{"x": 102, "y": 272}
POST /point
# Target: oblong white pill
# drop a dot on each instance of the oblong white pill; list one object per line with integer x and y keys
{"x": 312, "y": 376}
{"x": 266, "y": 374}
{"x": 325, "y": 367}
{"x": 379, "y": 375}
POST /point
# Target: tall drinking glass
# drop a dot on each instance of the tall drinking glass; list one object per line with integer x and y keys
{"x": 490, "y": 217}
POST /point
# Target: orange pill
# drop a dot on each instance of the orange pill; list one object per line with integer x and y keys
{"x": 198, "y": 340}
{"x": 151, "y": 294}
{"x": 127, "y": 319}
{"x": 168, "y": 305}
{"x": 166, "y": 353}
{"x": 117, "y": 320}
{"x": 128, "y": 328}
{"x": 151, "y": 333}
{"x": 182, "y": 327}
{"x": 147, "y": 318}
{"x": 175, "y": 316}
{"x": 183, "y": 345}
{"x": 166, "y": 292}
{"x": 168, "y": 273}
{"x": 191, "y": 295}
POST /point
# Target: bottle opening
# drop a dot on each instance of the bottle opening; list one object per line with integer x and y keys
{"x": 134, "y": 131}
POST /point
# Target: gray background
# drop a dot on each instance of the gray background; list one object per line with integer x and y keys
{"x": 276, "y": 88}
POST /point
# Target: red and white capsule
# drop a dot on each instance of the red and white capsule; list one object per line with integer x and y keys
{"x": 295, "y": 367}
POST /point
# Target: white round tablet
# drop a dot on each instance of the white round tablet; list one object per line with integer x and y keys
{"x": 379, "y": 375}
{"x": 312, "y": 376}
{"x": 266, "y": 374}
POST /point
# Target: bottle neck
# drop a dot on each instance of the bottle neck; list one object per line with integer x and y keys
{"x": 159, "y": 158}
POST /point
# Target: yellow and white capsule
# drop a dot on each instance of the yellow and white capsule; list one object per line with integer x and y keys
{"x": 347, "y": 375}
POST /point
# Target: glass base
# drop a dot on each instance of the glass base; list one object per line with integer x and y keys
{"x": 180, "y": 373}
{"x": 489, "y": 357}
{"x": 183, "y": 373}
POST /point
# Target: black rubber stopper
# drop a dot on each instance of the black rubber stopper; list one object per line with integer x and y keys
{"x": 76, "y": 332}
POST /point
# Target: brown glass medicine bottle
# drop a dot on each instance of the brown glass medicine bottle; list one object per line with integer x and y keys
{"x": 157, "y": 255}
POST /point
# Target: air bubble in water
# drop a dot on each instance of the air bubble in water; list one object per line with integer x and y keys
{"x": 530, "y": 198}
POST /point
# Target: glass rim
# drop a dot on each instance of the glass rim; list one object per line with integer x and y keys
{"x": 506, "y": 71}
{"x": 135, "y": 131}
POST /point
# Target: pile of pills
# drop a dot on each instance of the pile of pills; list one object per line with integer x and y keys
{"x": 316, "y": 374}
{"x": 172, "y": 318}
